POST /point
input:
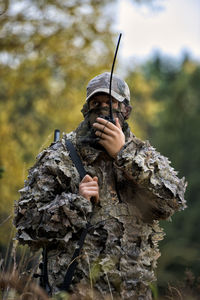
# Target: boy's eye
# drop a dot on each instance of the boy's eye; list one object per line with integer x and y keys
{"x": 95, "y": 103}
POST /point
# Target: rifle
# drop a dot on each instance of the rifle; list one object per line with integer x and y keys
{"x": 44, "y": 281}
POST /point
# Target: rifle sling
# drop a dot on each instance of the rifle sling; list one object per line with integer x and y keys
{"x": 72, "y": 266}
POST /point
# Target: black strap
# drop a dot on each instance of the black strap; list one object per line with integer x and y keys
{"x": 76, "y": 159}
{"x": 72, "y": 266}
{"x": 44, "y": 282}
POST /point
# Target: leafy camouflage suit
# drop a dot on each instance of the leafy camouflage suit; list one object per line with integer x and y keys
{"x": 120, "y": 252}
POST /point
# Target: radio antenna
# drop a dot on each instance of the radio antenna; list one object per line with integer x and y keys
{"x": 111, "y": 74}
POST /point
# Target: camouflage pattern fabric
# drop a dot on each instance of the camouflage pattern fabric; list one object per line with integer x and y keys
{"x": 101, "y": 83}
{"x": 120, "y": 252}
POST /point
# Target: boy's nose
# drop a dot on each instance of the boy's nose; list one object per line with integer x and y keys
{"x": 104, "y": 104}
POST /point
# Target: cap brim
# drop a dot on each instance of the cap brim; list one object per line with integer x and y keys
{"x": 106, "y": 91}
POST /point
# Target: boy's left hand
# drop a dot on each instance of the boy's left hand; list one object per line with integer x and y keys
{"x": 111, "y": 136}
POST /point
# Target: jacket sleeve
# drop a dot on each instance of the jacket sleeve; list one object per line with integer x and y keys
{"x": 158, "y": 190}
{"x": 49, "y": 207}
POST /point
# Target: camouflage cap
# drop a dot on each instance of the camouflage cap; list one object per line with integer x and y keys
{"x": 101, "y": 83}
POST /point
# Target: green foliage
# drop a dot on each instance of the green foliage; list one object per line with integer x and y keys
{"x": 145, "y": 108}
{"x": 154, "y": 291}
{"x": 95, "y": 271}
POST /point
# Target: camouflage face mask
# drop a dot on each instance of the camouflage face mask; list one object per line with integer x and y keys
{"x": 86, "y": 133}
{"x": 91, "y": 114}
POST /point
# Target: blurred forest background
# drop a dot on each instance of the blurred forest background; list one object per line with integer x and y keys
{"x": 49, "y": 50}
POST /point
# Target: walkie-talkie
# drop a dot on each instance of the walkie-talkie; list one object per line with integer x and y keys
{"x": 110, "y": 116}
{"x": 93, "y": 139}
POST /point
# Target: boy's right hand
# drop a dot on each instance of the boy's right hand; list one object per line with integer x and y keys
{"x": 89, "y": 188}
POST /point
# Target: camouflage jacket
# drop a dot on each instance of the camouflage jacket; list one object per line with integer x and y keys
{"x": 120, "y": 252}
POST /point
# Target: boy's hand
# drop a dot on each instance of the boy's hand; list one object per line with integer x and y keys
{"x": 111, "y": 136}
{"x": 89, "y": 188}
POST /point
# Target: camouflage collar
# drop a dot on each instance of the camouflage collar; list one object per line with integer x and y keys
{"x": 85, "y": 150}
